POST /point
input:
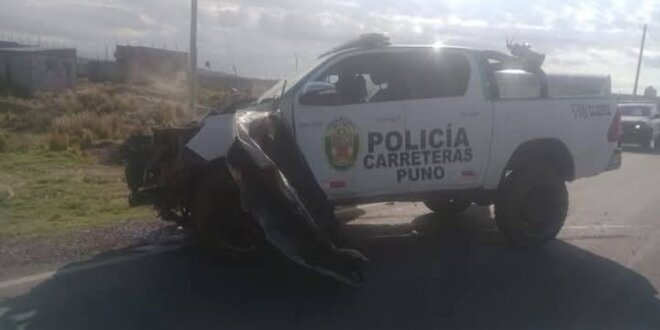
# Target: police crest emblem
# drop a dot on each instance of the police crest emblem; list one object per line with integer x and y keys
{"x": 342, "y": 143}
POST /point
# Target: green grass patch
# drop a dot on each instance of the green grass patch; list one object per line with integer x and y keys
{"x": 48, "y": 192}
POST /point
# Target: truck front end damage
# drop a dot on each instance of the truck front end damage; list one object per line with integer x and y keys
{"x": 280, "y": 192}
{"x": 238, "y": 179}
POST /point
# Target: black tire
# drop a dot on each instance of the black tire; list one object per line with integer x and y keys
{"x": 448, "y": 206}
{"x": 220, "y": 224}
{"x": 650, "y": 145}
{"x": 531, "y": 206}
{"x": 655, "y": 146}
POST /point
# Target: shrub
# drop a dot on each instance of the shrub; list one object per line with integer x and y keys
{"x": 86, "y": 126}
{"x": 58, "y": 142}
{"x": 14, "y": 142}
{"x": 3, "y": 143}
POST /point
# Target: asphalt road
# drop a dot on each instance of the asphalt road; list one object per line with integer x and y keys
{"x": 426, "y": 272}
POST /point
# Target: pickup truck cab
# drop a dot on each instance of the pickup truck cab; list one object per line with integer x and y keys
{"x": 445, "y": 125}
{"x": 640, "y": 124}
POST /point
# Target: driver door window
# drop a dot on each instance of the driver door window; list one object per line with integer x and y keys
{"x": 365, "y": 78}
{"x": 341, "y": 129}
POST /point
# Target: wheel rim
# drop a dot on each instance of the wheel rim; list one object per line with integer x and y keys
{"x": 541, "y": 211}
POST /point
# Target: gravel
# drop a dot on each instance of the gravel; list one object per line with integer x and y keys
{"x": 24, "y": 255}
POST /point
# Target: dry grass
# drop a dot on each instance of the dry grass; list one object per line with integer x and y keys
{"x": 47, "y": 185}
{"x": 17, "y": 142}
{"x": 88, "y": 124}
{"x": 97, "y": 112}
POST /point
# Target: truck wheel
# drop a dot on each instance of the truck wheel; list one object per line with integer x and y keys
{"x": 221, "y": 225}
{"x": 531, "y": 206}
{"x": 448, "y": 206}
{"x": 654, "y": 144}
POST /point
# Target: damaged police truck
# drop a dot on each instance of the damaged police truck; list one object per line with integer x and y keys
{"x": 371, "y": 121}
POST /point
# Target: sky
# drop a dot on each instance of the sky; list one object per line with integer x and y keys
{"x": 263, "y": 38}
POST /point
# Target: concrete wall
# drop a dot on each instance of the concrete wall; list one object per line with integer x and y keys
{"x": 26, "y": 71}
{"x": 15, "y": 74}
{"x": 53, "y": 72}
{"x": 3, "y": 69}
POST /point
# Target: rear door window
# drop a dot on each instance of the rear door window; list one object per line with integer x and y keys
{"x": 437, "y": 74}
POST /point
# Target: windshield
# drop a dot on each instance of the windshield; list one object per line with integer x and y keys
{"x": 635, "y": 111}
{"x": 275, "y": 91}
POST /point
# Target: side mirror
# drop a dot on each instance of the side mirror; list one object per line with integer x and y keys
{"x": 318, "y": 93}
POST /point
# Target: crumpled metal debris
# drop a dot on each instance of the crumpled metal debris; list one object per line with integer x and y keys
{"x": 279, "y": 190}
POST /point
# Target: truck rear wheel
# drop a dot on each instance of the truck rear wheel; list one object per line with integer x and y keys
{"x": 653, "y": 144}
{"x": 447, "y": 206}
{"x": 531, "y": 206}
{"x": 650, "y": 145}
{"x": 220, "y": 224}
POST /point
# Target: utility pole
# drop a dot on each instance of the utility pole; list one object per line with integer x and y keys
{"x": 233, "y": 67}
{"x": 192, "y": 55}
{"x": 639, "y": 60}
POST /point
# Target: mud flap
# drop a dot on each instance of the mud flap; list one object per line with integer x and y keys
{"x": 279, "y": 190}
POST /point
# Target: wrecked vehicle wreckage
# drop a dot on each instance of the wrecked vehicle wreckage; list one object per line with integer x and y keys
{"x": 373, "y": 122}
{"x": 264, "y": 173}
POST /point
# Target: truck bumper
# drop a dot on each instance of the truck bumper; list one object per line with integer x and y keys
{"x": 636, "y": 136}
{"x": 615, "y": 160}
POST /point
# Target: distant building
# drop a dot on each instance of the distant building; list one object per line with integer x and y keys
{"x": 629, "y": 98}
{"x": 27, "y": 69}
{"x": 138, "y": 64}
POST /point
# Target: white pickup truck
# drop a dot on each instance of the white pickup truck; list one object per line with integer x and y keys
{"x": 447, "y": 126}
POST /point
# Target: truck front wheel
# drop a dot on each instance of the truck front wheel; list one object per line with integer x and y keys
{"x": 220, "y": 224}
{"x": 531, "y": 206}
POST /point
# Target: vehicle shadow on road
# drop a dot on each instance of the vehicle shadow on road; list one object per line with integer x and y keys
{"x": 432, "y": 273}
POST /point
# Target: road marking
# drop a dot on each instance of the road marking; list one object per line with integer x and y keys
{"x": 24, "y": 316}
{"x": 74, "y": 269}
{"x": 26, "y": 279}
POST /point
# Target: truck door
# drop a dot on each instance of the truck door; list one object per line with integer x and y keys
{"x": 341, "y": 118}
{"x": 448, "y": 122}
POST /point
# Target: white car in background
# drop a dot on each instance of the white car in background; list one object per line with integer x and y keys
{"x": 641, "y": 124}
